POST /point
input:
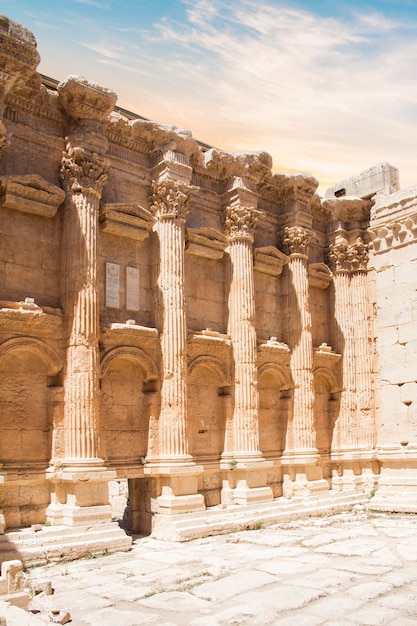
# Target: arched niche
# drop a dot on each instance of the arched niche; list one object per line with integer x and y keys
{"x": 208, "y": 384}
{"x": 275, "y": 393}
{"x": 27, "y": 366}
{"x": 127, "y": 375}
{"x": 326, "y": 407}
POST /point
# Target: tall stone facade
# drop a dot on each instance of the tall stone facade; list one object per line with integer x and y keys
{"x": 188, "y": 319}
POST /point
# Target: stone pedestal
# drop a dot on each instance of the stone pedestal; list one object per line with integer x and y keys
{"x": 397, "y": 485}
{"x": 302, "y": 475}
{"x": 178, "y": 489}
{"x": 245, "y": 483}
{"x": 80, "y": 497}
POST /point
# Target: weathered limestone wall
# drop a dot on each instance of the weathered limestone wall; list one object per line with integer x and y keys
{"x": 393, "y": 234}
{"x": 189, "y": 320}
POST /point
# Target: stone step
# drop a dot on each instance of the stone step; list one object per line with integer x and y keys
{"x": 218, "y": 520}
{"x": 62, "y": 542}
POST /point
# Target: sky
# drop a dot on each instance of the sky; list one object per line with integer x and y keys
{"x": 327, "y": 87}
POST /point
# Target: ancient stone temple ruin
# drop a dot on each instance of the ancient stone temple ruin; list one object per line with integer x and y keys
{"x": 233, "y": 345}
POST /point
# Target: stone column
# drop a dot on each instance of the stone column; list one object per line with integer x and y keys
{"x": 170, "y": 201}
{"x": 301, "y": 455}
{"x": 340, "y": 262}
{"x": 240, "y": 225}
{"x": 176, "y": 473}
{"x": 247, "y": 484}
{"x": 364, "y": 423}
{"x": 81, "y": 493}
{"x": 83, "y": 176}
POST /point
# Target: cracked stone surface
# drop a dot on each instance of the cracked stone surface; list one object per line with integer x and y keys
{"x": 349, "y": 569}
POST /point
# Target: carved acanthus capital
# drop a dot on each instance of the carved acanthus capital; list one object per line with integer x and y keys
{"x": 338, "y": 257}
{"x": 359, "y": 256}
{"x": 170, "y": 199}
{"x": 343, "y": 257}
{"x": 295, "y": 240}
{"x": 82, "y": 171}
{"x": 240, "y": 222}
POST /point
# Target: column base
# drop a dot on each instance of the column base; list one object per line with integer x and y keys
{"x": 302, "y": 476}
{"x": 397, "y": 486}
{"x": 245, "y": 481}
{"x": 175, "y": 488}
{"x": 80, "y": 495}
{"x": 354, "y": 470}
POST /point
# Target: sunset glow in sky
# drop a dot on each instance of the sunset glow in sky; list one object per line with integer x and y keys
{"x": 326, "y": 87}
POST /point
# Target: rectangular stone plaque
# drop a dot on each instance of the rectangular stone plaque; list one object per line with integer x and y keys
{"x": 113, "y": 285}
{"x": 132, "y": 288}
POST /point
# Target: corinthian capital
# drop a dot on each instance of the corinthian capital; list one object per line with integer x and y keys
{"x": 358, "y": 253}
{"x": 240, "y": 222}
{"x": 82, "y": 170}
{"x": 295, "y": 240}
{"x": 338, "y": 257}
{"x": 343, "y": 257}
{"x": 170, "y": 199}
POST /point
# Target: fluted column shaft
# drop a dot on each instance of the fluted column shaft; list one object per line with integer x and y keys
{"x": 173, "y": 337}
{"x": 344, "y": 429}
{"x": 170, "y": 204}
{"x": 81, "y": 405}
{"x": 243, "y": 337}
{"x": 301, "y": 434}
{"x": 365, "y": 426}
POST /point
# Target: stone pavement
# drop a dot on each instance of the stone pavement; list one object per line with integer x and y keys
{"x": 352, "y": 568}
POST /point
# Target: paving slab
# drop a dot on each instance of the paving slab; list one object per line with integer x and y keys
{"x": 349, "y": 569}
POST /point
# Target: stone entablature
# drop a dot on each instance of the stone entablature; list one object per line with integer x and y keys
{"x": 186, "y": 317}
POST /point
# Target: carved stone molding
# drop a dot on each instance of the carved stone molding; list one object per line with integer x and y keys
{"x": 4, "y": 136}
{"x": 83, "y": 99}
{"x": 205, "y": 242}
{"x": 348, "y": 208}
{"x": 274, "y": 350}
{"x": 269, "y": 260}
{"x": 28, "y": 318}
{"x": 325, "y": 357}
{"x": 170, "y": 199}
{"x": 18, "y": 56}
{"x": 296, "y": 188}
{"x": 394, "y": 234}
{"x": 319, "y": 276}
{"x": 126, "y": 220}
{"x": 83, "y": 171}
{"x": 224, "y": 165}
{"x": 30, "y": 194}
{"x": 295, "y": 240}
{"x": 240, "y": 222}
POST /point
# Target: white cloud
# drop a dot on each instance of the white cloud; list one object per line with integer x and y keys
{"x": 93, "y": 3}
{"x": 307, "y": 88}
{"x": 101, "y": 50}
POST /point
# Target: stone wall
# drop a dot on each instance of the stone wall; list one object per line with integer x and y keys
{"x": 188, "y": 319}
